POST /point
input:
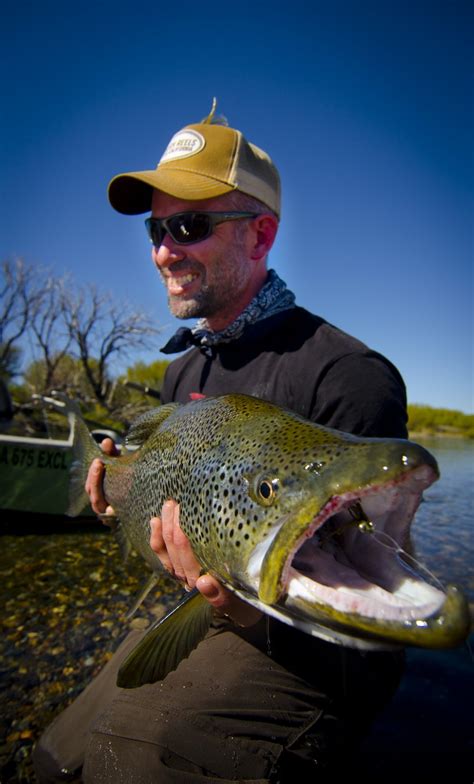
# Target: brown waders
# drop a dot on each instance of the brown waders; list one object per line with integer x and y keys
{"x": 230, "y": 712}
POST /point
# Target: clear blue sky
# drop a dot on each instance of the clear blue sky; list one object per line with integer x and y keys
{"x": 364, "y": 106}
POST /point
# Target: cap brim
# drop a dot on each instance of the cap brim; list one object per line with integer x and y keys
{"x": 131, "y": 193}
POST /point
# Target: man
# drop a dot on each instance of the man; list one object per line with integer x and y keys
{"x": 257, "y": 700}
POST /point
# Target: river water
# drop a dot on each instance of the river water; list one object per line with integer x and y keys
{"x": 427, "y": 732}
{"x": 65, "y": 592}
{"x": 444, "y": 525}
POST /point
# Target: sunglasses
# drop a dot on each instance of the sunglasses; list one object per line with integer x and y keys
{"x": 185, "y": 228}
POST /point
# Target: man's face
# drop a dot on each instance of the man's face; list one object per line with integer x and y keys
{"x": 205, "y": 279}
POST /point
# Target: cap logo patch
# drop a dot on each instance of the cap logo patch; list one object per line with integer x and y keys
{"x": 182, "y": 145}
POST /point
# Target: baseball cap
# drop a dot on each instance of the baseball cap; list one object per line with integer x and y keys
{"x": 201, "y": 161}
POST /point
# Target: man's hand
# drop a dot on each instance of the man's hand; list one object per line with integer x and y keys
{"x": 173, "y": 549}
{"x": 95, "y": 478}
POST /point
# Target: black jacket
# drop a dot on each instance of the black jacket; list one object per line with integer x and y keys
{"x": 299, "y": 361}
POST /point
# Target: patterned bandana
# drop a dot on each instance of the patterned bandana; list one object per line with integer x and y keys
{"x": 272, "y": 298}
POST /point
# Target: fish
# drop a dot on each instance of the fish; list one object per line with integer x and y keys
{"x": 306, "y": 523}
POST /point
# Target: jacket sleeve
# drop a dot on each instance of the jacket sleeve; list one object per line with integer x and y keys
{"x": 362, "y": 394}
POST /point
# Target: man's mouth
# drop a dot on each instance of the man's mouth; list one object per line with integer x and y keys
{"x": 180, "y": 284}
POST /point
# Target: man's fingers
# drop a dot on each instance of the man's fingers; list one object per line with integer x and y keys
{"x": 162, "y": 540}
{"x": 94, "y": 489}
{"x": 186, "y": 567}
{"x": 108, "y": 446}
{"x": 157, "y": 544}
{"x": 190, "y": 567}
{"x": 167, "y": 529}
{"x": 172, "y": 545}
{"x": 95, "y": 479}
{"x": 225, "y": 603}
{"x": 213, "y": 591}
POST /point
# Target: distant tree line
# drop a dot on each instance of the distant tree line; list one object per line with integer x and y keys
{"x": 75, "y": 334}
{"x": 439, "y": 421}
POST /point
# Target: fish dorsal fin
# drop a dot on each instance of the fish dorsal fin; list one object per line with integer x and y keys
{"x": 144, "y": 425}
{"x": 167, "y": 642}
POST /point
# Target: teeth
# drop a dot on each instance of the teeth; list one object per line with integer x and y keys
{"x": 175, "y": 281}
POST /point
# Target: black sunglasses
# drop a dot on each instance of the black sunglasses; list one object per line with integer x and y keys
{"x": 185, "y": 228}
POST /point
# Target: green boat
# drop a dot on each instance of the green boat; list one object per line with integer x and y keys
{"x": 34, "y": 471}
{"x": 34, "y": 474}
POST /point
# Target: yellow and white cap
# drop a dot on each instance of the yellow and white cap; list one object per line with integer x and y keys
{"x": 201, "y": 161}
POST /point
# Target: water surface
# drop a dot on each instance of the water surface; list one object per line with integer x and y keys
{"x": 444, "y": 524}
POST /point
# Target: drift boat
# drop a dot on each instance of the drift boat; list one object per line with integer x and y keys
{"x": 34, "y": 471}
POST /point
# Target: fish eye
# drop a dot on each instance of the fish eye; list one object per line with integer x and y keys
{"x": 266, "y": 490}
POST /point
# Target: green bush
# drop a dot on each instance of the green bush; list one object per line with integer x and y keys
{"x": 424, "y": 419}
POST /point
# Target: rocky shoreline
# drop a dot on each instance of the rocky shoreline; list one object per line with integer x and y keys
{"x": 65, "y": 596}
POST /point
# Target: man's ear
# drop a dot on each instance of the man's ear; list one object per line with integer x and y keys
{"x": 263, "y": 232}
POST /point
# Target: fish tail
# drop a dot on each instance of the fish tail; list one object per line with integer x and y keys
{"x": 84, "y": 450}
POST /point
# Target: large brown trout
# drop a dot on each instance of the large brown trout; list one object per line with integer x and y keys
{"x": 306, "y": 523}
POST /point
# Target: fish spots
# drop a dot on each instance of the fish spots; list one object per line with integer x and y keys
{"x": 236, "y": 465}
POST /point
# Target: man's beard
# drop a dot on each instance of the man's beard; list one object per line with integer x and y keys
{"x": 230, "y": 275}
{"x": 203, "y": 304}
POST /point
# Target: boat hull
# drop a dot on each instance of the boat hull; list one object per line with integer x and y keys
{"x": 34, "y": 474}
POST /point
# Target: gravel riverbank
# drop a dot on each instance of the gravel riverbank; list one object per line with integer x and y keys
{"x": 65, "y": 593}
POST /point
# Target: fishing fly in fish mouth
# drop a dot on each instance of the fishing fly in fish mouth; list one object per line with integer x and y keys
{"x": 307, "y": 524}
{"x": 353, "y": 559}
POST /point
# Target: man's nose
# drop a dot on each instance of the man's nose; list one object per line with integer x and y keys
{"x": 167, "y": 252}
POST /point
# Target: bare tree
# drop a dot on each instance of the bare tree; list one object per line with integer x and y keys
{"x": 75, "y": 333}
{"x": 49, "y": 329}
{"x": 100, "y": 330}
{"x": 20, "y": 298}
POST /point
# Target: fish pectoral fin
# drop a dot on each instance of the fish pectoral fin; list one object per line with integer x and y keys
{"x": 167, "y": 642}
{"x": 142, "y": 594}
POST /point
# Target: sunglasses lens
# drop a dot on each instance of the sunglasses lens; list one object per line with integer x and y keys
{"x": 155, "y": 231}
{"x": 189, "y": 227}
{"x": 184, "y": 228}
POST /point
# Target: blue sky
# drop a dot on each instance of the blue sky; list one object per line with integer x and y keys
{"x": 365, "y": 107}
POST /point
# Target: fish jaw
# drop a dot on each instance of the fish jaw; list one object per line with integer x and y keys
{"x": 352, "y": 583}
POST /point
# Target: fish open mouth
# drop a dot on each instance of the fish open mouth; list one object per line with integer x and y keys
{"x": 355, "y": 556}
{"x": 352, "y": 572}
